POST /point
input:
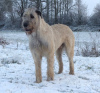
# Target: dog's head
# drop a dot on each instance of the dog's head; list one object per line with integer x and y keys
{"x": 31, "y": 20}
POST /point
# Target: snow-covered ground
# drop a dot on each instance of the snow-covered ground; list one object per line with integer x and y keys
{"x": 17, "y": 70}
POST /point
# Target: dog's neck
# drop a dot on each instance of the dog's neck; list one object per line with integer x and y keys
{"x": 42, "y": 28}
{"x": 35, "y": 38}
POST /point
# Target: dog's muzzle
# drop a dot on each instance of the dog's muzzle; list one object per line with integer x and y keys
{"x": 25, "y": 24}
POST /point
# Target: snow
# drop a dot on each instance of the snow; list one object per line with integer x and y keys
{"x": 17, "y": 70}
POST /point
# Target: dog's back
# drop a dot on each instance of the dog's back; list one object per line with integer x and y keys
{"x": 62, "y": 33}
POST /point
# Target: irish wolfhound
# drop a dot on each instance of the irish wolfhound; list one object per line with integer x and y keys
{"x": 45, "y": 40}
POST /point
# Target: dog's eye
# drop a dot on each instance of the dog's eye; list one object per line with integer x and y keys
{"x": 24, "y": 16}
{"x": 31, "y": 16}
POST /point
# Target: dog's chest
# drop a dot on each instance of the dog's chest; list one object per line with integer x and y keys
{"x": 36, "y": 42}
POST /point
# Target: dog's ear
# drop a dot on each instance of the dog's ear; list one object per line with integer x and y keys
{"x": 39, "y": 13}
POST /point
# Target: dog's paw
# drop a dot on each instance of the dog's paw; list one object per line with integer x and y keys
{"x": 59, "y": 72}
{"x": 50, "y": 78}
{"x": 38, "y": 80}
{"x": 71, "y": 73}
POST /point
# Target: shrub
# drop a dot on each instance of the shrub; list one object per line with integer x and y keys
{"x": 3, "y": 42}
{"x": 91, "y": 51}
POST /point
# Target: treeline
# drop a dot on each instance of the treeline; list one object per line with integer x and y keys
{"x": 69, "y": 12}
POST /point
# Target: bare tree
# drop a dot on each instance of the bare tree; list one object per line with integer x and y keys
{"x": 95, "y": 18}
{"x": 54, "y": 11}
{"x": 47, "y": 5}
{"x": 81, "y": 12}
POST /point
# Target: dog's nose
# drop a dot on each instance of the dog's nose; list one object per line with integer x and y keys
{"x": 25, "y": 24}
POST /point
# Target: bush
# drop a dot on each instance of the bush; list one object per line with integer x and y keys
{"x": 91, "y": 48}
{"x": 91, "y": 51}
{"x": 3, "y": 42}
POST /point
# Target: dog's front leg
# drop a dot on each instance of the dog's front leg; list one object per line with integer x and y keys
{"x": 37, "y": 60}
{"x": 50, "y": 67}
{"x": 38, "y": 71}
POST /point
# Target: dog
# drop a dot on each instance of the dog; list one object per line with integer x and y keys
{"x": 45, "y": 40}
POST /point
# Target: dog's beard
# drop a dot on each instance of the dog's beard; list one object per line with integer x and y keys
{"x": 29, "y": 31}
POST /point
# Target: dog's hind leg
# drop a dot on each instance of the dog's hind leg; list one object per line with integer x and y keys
{"x": 69, "y": 47}
{"x": 59, "y": 57}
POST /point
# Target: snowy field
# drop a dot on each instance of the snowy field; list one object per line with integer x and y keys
{"x": 17, "y": 70}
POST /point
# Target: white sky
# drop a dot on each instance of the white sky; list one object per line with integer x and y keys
{"x": 90, "y": 5}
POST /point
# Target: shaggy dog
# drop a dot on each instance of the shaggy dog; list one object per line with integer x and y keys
{"x": 45, "y": 40}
